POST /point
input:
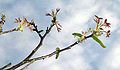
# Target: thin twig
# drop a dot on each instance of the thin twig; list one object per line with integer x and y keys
{"x": 25, "y": 67}
{"x": 8, "y": 65}
{"x": 54, "y": 52}
{"x": 8, "y": 31}
{"x": 36, "y": 29}
{"x": 40, "y": 43}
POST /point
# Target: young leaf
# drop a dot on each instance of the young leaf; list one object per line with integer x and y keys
{"x": 57, "y": 52}
{"x": 80, "y": 37}
{"x": 77, "y": 34}
{"x": 98, "y": 41}
{"x": 20, "y": 27}
{"x": 3, "y": 17}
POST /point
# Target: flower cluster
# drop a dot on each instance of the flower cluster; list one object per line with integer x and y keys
{"x": 101, "y": 26}
{"x": 53, "y": 14}
{"x": 23, "y": 23}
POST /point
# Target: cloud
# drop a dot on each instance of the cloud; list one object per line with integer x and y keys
{"x": 24, "y": 8}
{"x": 6, "y": 1}
{"x": 111, "y": 60}
{"x": 2, "y": 54}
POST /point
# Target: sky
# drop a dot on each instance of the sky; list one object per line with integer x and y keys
{"x": 74, "y": 16}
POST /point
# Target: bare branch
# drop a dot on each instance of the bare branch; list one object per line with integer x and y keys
{"x": 8, "y": 31}
{"x": 25, "y": 67}
{"x": 54, "y": 52}
{"x": 34, "y": 50}
{"x": 8, "y": 65}
{"x": 36, "y": 29}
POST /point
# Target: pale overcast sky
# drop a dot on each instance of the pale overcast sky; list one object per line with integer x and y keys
{"x": 74, "y": 16}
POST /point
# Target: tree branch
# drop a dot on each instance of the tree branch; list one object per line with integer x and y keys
{"x": 8, "y": 31}
{"x": 28, "y": 60}
{"x": 8, "y": 65}
{"x": 36, "y": 48}
{"x": 54, "y": 52}
{"x": 40, "y": 43}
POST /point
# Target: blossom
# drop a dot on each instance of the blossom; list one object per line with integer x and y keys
{"x": 22, "y": 23}
{"x": 106, "y": 24}
{"x": 97, "y": 19}
{"x": 53, "y": 14}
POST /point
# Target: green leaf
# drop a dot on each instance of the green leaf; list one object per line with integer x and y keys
{"x": 98, "y": 41}
{"x": 20, "y": 27}
{"x": 77, "y": 34}
{"x": 57, "y": 52}
{"x": 3, "y": 17}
